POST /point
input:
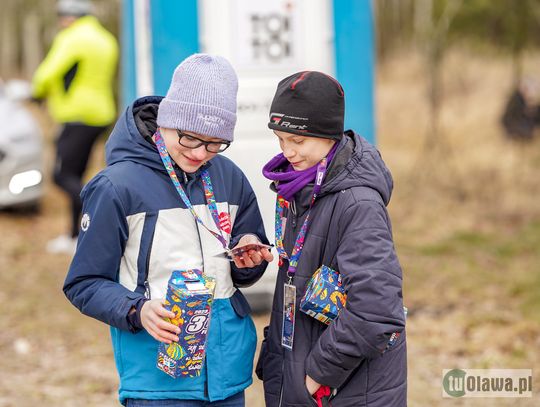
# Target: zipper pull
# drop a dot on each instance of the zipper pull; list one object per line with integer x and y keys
{"x": 292, "y": 206}
{"x": 147, "y": 290}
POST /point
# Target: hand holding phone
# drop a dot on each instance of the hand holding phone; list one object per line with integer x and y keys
{"x": 239, "y": 250}
{"x": 250, "y": 252}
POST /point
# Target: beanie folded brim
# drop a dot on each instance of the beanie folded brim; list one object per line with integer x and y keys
{"x": 206, "y": 120}
{"x": 274, "y": 126}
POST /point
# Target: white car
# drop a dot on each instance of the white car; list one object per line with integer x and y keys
{"x": 21, "y": 149}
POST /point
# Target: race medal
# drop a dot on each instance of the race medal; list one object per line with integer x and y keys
{"x": 289, "y": 305}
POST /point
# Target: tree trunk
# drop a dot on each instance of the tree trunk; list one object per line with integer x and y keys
{"x": 8, "y": 30}
{"x": 31, "y": 44}
{"x": 423, "y": 21}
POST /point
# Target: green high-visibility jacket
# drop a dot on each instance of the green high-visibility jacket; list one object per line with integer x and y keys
{"x": 77, "y": 75}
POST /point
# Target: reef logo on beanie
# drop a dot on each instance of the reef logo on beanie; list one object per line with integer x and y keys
{"x": 201, "y": 98}
{"x": 290, "y": 122}
{"x": 309, "y": 103}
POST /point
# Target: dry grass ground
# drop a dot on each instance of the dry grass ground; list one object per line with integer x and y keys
{"x": 467, "y": 228}
{"x": 466, "y": 222}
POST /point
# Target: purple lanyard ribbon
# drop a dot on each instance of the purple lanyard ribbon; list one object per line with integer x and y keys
{"x": 208, "y": 190}
{"x": 281, "y": 203}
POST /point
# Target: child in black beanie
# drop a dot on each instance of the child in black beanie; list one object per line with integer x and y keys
{"x": 333, "y": 188}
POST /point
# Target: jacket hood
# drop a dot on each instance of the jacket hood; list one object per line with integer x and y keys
{"x": 358, "y": 163}
{"x": 130, "y": 138}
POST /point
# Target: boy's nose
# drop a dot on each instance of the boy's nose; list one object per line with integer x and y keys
{"x": 199, "y": 153}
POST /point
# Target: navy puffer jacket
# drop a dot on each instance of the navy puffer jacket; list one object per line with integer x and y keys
{"x": 350, "y": 232}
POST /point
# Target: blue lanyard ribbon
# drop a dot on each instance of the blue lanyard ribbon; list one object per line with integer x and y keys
{"x": 281, "y": 203}
{"x": 208, "y": 190}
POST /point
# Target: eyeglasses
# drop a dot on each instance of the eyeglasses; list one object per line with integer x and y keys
{"x": 189, "y": 141}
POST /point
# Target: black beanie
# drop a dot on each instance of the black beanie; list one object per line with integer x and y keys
{"x": 309, "y": 103}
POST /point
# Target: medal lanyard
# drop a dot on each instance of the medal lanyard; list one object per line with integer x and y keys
{"x": 281, "y": 203}
{"x": 207, "y": 184}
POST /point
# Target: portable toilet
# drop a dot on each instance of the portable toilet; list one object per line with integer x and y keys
{"x": 265, "y": 41}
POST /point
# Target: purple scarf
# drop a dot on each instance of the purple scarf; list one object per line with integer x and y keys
{"x": 288, "y": 182}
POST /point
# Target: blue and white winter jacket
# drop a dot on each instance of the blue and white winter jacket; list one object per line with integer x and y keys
{"x": 135, "y": 231}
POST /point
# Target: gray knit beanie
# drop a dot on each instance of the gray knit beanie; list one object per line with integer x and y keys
{"x": 201, "y": 98}
{"x": 76, "y": 8}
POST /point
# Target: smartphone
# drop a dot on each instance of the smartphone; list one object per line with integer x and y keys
{"x": 238, "y": 251}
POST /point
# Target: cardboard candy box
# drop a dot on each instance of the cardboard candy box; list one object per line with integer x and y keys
{"x": 325, "y": 296}
{"x": 189, "y": 296}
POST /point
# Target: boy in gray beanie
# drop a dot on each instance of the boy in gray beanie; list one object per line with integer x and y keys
{"x": 201, "y": 98}
{"x": 168, "y": 201}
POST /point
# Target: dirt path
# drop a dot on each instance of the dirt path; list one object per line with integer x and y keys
{"x": 468, "y": 243}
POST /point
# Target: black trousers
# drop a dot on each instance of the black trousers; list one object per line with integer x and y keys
{"x": 73, "y": 148}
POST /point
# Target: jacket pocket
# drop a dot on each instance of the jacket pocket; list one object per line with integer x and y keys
{"x": 240, "y": 305}
{"x": 310, "y": 397}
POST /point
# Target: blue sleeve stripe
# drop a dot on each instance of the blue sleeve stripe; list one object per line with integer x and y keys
{"x": 145, "y": 249}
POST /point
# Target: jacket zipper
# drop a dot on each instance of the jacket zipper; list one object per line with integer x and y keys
{"x": 196, "y": 223}
{"x": 202, "y": 256}
{"x": 281, "y": 388}
{"x": 292, "y": 208}
{"x": 293, "y": 211}
{"x": 147, "y": 292}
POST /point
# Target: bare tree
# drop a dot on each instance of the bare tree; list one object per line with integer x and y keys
{"x": 8, "y": 32}
{"x": 436, "y": 34}
{"x": 432, "y": 33}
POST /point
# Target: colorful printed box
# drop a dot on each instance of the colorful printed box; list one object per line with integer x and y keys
{"x": 324, "y": 296}
{"x": 189, "y": 296}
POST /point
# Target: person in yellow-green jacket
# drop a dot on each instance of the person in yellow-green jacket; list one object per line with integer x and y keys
{"x": 76, "y": 79}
